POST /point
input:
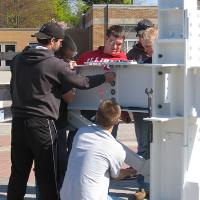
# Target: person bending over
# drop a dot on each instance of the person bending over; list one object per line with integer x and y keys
{"x": 96, "y": 156}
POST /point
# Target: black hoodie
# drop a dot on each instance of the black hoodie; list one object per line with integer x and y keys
{"x": 38, "y": 81}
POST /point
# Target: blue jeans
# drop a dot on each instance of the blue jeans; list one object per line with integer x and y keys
{"x": 142, "y": 134}
{"x": 110, "y": 197}
{"x": 141, "y": 183}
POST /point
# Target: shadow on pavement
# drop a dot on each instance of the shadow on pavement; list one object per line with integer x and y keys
{"x": 123, "y": 188}
{"x": 30, "y": 192}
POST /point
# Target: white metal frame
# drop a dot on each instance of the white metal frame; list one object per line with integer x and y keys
{"x": 176, "y": 109}
{"x": 175, "y": 165}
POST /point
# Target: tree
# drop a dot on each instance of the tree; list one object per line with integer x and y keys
{"x": 25, "y": 13}
{"x": 90, "y": 2}
{"x": 33, "y": 13}
{"x": 80, "y": 8}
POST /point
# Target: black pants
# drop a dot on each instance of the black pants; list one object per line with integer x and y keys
{"x": 33, "y": 139}
{"x": 62, "y": 156}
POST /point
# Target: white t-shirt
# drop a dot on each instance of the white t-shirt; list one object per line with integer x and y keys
{"x": 95, "y": 157}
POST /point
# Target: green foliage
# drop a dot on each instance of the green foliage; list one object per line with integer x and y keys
{"x": 90, "y": 2}
{"x": 81, "y": 9}
{"x": 61, "y": 10}
{"x": 33, "y": 13}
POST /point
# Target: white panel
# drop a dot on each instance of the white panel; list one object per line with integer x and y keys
{"x": 167, "y": 160}
{"x": 168, "y": 26}
{"x": 193, "y": 46}
{"x": 129, "y": 89}
{"x": 170, "y": 3}
{"x": 179, "y": 145}
{"x": 191, "y": 191}
{"x": 155, "y": 168}
{"x": 177, "y": 92}
{"x": 170, "y": 53}
{"x": 171, "y": 165}
{"x": 193, "y": 94}
{"x": 193, "y": 132}
{"x": 168, "y": 93}
{"x": 167, "y": 88}
{"x": 159, "y": 107}
{"x": 184, "y": 4}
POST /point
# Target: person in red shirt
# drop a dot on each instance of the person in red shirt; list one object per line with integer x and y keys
{"x": 112, "y": 49}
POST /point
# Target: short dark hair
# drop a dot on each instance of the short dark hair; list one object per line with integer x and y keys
{"x": 117, "y": 31}
{"x": 67, "y": 44}
{"x": 108, "y": 114}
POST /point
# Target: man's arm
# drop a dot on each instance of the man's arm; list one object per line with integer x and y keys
{"x": 68, "y": 97}
{"x": 126, "y": 172}
{"x": 74, "y": 80}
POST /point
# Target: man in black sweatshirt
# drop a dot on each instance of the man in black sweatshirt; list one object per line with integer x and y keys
{"x": 37, "y": 83}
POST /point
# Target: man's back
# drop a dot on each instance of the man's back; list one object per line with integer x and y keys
{"x": 36, "y": 90}
{"x": 95, "y": 157}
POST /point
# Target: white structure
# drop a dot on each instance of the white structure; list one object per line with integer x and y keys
{"x": 175, "y": 79}
{"x": 128, "y": 89}
{"x": 175, "y": 167}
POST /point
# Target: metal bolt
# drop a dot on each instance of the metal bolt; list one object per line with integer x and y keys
{"x": 112, "y": 83}
{"x": 113, "y": 91}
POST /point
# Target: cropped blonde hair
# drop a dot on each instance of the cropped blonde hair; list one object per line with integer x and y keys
{"x": 108, "y": 114}
{"x": 150, "y": 35}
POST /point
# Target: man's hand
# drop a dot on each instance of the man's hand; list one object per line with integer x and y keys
{"x": 125, "y": 117}
{"x": 140, "y": 195}
{"x": 126, "y": 172}
{"x": 109, "y": 77}
{"x": 71, "y": 64}
{"x": 69, "y": 96}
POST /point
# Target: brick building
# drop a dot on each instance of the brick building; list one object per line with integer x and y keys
{"x": 94, "y": 24}
{"x": 100, "y": 16}
{"x": 14, "y": 40}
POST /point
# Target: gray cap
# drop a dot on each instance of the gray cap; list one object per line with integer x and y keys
{"x": 142, "y": 26}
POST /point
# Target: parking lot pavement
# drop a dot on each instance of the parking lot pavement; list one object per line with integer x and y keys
{"x": 124, "y": 189}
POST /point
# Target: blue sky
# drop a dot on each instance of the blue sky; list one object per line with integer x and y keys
{"x": 145, "y": 2}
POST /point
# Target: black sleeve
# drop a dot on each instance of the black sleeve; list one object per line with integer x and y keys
{"x": 71, "y": 79}
{"x": 130, "y": 55}
{"x": 11, "y": 70}
{"x": 96, "y": 80}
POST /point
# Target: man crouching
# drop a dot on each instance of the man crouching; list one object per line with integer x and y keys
{"x": 96, "y": 156}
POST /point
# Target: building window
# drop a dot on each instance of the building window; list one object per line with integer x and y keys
{"x": 130, "y": 35}
{"x": 6, "y": 48}
{"x": 128, "y": 44}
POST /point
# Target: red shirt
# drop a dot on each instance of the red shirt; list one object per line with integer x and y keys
{"x": 99, "y": 56}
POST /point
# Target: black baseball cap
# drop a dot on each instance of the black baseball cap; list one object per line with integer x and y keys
{"x": 50, "y": 30}
{"x": 142, "y": 26}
